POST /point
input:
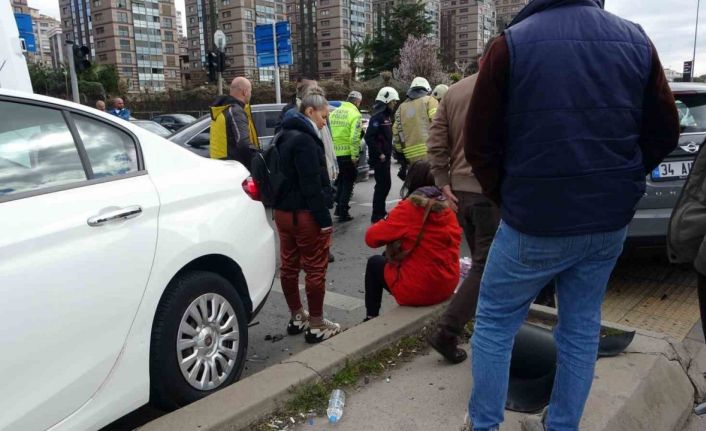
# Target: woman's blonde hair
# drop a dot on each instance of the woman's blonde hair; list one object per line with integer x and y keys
{"x": 313, "y": 98}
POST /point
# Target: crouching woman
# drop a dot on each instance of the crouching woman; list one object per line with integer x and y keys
{"x": 421, "y": 262}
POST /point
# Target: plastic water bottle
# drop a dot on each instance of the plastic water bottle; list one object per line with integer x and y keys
{"x": 335, "y": 405}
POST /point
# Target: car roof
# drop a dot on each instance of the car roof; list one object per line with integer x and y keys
{"x": 268, "y": 107}
{"x": 688, "y": 87}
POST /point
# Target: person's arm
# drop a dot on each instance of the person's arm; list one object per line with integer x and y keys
{"x": 485, "y": 130}
{"x": 372, "y": 139}
{"x": 432, "y": 107}
{"x": 660, "y": 130}
{"x": 306, "y": 161}
{"x": 397, "y": 137}
{"x": 242, "y": 147}
{"x": 355, "y": 128}
{"x": 438, "y": 147}
{"x": 391, "y": 228}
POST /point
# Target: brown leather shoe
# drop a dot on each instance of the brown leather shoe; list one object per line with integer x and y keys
{"x": 447, "y": 347}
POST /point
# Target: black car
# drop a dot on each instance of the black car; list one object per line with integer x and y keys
{"x": 174, "y": 122}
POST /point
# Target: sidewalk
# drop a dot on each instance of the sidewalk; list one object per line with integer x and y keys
{"x": 645, "y": 389}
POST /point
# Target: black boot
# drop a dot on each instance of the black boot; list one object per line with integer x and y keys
{"x": 447, "y": 346}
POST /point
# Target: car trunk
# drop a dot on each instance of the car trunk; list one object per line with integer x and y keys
{"x": 665, "y": 183}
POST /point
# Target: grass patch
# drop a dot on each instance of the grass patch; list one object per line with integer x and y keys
{"x": 312, "y": 399}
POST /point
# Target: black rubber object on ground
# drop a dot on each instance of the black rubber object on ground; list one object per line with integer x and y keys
{"x": 532, "y": 370}
{"x": 613, "y": 345}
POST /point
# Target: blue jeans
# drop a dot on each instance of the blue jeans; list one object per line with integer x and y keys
{"x": 518, "y": 267}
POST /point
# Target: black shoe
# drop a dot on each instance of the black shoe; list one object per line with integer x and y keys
{"x": 345, "y": 218}
{"x": 331, "y": 259}
{"x": 298, "y": 324}
{"x": 322, "y": 333}
{"x": 446, "y": 346}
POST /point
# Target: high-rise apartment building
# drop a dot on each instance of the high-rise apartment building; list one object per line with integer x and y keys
{"x": 319, "y": 38}
{"x": 58, "y": 48}
{"x": 237, "y": 19}
{"x": 466, "y": 26}
{"x": 139, "y": 37}
{"x": 41, "y": 26}
{"x": 507, "y": 10}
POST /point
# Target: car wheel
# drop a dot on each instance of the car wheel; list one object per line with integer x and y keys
{"x": 199, "y": 339}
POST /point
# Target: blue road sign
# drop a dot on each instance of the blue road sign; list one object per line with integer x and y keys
{"x": 264, "y": 44}
{"x": 24, "y": 25}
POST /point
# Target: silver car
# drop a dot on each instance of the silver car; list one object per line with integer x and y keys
{"x": 649, "y": 226}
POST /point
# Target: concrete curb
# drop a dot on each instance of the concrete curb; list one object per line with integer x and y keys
{"x": 239, "y": 405}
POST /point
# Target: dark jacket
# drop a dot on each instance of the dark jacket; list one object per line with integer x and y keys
{"x": 378, "y": 137}
{"x": 575, "y": 87}
{"x": 303, "y": 162}
{"x": 430, "y": 273}
{"x": 228, "y": 115}
{"x": 686, "y": 237}
{"x": 288, "y": 107}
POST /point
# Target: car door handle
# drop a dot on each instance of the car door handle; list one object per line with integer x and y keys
{"x": 119, "y": 214}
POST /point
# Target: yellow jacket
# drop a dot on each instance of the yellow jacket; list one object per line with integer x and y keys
{"x": 232, "y": 128}
{"x": 410, "y": 130}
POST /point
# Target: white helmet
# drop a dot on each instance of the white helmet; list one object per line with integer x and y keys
{"x": 421, "y": 82}
{"x": 439, "y": 91}
{"x": 387, "y": 95}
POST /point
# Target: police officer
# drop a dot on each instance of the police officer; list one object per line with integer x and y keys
{"x": 412, "y": 120}
{"x": 345, "y": 124}
{"x": 378, "y": 137}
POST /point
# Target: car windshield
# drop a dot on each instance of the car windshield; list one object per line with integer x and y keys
{"x": 692, "y": 112}
{"x": 183, "y": 118}
{"x": 154, "y": 128}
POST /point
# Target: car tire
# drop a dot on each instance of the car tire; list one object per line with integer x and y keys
{"x": 176, "y": 351}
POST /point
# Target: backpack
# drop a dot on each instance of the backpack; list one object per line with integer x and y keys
{"x": 266, "y": 172}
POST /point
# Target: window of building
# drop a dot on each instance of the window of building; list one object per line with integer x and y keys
{"x": 100, "y": 44}
{"x": 326, "y": 54}
{"x": 226, "y": 14}
{"x": 171, "y": 73}
{"x": 229, "y": 38}
{"x": 169, "y": 48}
{"x": 345, "y": 34}
{"x": 168, "y": 23}
{"x": 122, "y": 17}
{"x": 463, "y": 53}
{"x": 279, "y": 8}
{"x": 463, "y": 36}
{"x": 324, "y": 12}
{"x": 462, "y": 28}
{"x": 325, "y": 34}
{"x": 345, "y": 22}
{"x": 194, "y": 42}
{"x": 102, "y": 58}
{"x": 123, "y": 31}
{"x": 122, "y": 4}
{"x": 248, "y": 14}
{"x": 192, "y": 9}
{"x": 250, "y": 38}
{"x": 126, "y": 57}
{"x": 125, "y": 44}
{"x": 229, "y": 50}
{"x": 98, "y": 17}
{"x": 326, "y": 43}
{"x": 326, "y": 64}
{"x": 249, "y": 26}
{"x": 192, "y": 20}
{"x": 325, "y": 23}
{"x": 251, "y": 61}
{"x": 171, "y": 61}
{"x": 96, "y": 3}
{"x": 100, "y": 30}
{"x": 251, "y": 50}
{"x": 227, "y": 26}
{"x": 127, "y": 70}
{"x": 169, "y": 35}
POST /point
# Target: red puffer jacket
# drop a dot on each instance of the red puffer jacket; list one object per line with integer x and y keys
{"x": 430, "y": 273}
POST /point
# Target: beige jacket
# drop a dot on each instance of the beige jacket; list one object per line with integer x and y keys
{"x": 446, "y": 139}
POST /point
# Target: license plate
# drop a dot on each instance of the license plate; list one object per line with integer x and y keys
{"x": 672, "y": 170}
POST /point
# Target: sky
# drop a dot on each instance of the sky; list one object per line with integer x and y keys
{"x": 669, "y": 23}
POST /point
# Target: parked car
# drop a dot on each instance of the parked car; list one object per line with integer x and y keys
{"x": 195, "y": 137}
{"x": 123, "y": 279}
{"x": 649, "y": 226}
{"x": 174, "y": 122}
{"x": 153, "y": 127}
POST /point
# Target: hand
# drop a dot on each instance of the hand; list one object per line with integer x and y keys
{"x": 326, "y": 229}
{"x": 453, "y": 200}
{"x": 382, "y": 158}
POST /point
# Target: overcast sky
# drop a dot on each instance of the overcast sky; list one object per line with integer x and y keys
{"x": 670, "y": 24}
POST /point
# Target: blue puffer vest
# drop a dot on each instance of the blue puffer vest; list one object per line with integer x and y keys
{"x": 578, "y": 75}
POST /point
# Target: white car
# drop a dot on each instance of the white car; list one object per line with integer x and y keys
{"x": 129, "y": 267}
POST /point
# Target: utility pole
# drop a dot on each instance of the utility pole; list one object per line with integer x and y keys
{"x": 72, "y": 69}
{"x": 219, "y": 39}
{"x": 278, "y": 94}
{"x": 696, "y": 35}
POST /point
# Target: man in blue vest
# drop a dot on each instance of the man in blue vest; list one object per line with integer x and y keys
{"x": 570, "y": 111}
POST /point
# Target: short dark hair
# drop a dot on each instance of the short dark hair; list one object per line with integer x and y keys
{"x": 418, "y": 175}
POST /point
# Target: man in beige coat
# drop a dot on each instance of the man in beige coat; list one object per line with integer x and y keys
{"x": 478, "y": 216}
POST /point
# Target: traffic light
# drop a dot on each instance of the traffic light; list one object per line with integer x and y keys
{"x": 81, "y": 58}
{"x": 212, "y": 64}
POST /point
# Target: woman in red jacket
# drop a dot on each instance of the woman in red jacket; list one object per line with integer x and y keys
{"x": 430, "y": 272}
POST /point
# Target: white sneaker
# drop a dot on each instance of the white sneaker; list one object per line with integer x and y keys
{"x": 318, "y": 334}
{"x": 298, "y": 323}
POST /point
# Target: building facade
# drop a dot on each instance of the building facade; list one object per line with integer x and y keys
{"x": 237, "y": 19}
{"x": 58, "y": 48}
{"x": 507, "y": 10}
{"x": 139, "y": 37}
{"x": 319, "y": 38}
{"x": 42, "y": 25}
{"x": 466, "y": 26}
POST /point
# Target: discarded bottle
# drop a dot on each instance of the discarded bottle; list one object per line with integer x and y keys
{"x": 335, "y": 405}
{"x": 465, "y": 263}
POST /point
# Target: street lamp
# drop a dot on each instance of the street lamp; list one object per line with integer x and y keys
{"x": 696, "y": 34}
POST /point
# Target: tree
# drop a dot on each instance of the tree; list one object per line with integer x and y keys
{"x": 367, "y": 47}
{"x": 354, "y": 50}
{"x": 418, "y": 58}
{"x": 405, "y": 20}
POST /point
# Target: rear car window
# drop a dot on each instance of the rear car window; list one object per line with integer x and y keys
{"x": 692, "y": 112}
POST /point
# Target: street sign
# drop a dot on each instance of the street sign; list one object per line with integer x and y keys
{"x": 219, "y": 39}
{"x": 265, "y": 44}
{"x": 24, "y": 25}
{"x": 688, "y": 65}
